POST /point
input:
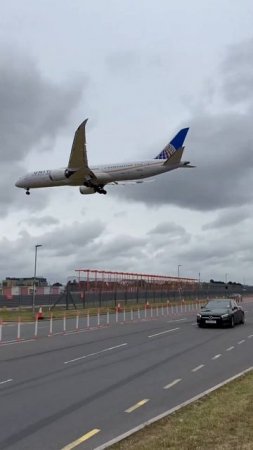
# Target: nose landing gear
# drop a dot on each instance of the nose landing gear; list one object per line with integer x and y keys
{"x": 28, "y": 191}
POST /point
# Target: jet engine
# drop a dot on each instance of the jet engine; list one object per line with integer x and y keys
{"x": 60, "y": 174}
{"x": 86, "y": 190}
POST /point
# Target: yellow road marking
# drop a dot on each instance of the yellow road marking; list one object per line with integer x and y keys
{"x": 81, "y": 439}
{"x": 134, "y": 407}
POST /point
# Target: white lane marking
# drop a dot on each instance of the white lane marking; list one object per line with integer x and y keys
{"x": 198, "y": 368}
{"x": 217, "y": 356}
{"x": 176, "y": 320}
{"x": 230, "y": 348}
{"x": 6, "y": 381}
{"x": 163, "y": 332}
{"x": 170, "y": 411}
{"x": 95, "y": 353}
{"x": 137, "y": 405}
{"x": 250, "y": 336}
{"x": 22, "y": 341}
{"x": 172, "y": 383}
{"x": 241, "y": 342}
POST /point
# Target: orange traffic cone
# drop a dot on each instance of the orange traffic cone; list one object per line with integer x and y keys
{"x": 147, "y": 305}
{"x": 40, "y": 315}
{"x": 118, "y": 308}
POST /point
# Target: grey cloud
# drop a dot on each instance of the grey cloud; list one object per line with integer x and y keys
{"x": 122, "y": 62}
{"x": 40, "y": 221}
{"x": 33, "y": 110}
{"x": 167, "y": 228}
{"x": 220, "y": 145}
{"x": 238, "y": 73}
{"x": 61, "y": 249}
{"x": 228, "y": 219}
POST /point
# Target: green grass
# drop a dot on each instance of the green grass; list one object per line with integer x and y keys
{"x": 26, "y": 314}
{"x": 223, "y": 420}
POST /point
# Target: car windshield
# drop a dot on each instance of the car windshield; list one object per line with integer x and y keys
{"x": 216, "y": 304}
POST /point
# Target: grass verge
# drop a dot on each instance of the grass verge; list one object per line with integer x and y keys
{"x": 223, "y": 420}
{"x": 26, "y": 314}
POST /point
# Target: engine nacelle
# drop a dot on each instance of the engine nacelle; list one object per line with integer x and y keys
{"x": 60, "y": 174}
{"x": 86, "y": 190}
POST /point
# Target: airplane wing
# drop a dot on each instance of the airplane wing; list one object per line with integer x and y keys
{"x": 78, "y": 156}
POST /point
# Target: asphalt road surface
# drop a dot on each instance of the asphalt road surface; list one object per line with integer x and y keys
{"x": 79, "y": 390}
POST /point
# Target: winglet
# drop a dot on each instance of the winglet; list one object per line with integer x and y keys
{"x": 175, "y": 144}
{"x": 78, "y": 156}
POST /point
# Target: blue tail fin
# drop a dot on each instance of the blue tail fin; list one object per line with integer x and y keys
{"x": 176, "y": 143}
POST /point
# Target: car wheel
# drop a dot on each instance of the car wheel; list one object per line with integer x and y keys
{"x": 243, "y": 320}
{"x": 200, "y": 325}
{"x": 232, "y": 322}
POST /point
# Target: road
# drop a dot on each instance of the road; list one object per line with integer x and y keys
{"x": 79, "y": 390}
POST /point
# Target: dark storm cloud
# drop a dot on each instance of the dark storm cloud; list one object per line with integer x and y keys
{"x": 33, "y": 110}
{"x": 220, "y": 145}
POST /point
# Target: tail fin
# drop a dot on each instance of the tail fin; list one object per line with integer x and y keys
{"x": 175, "y": 144}
{"x": 175, "y": 158}
{"x": 78, "y": 155}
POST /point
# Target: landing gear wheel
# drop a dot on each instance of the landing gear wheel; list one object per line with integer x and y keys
{"x": 27, "y": 192}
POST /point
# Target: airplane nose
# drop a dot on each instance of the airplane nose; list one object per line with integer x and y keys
{"x": 19, "y": 184}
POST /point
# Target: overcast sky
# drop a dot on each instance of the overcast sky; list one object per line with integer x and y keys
{"x": 139, "y": 71}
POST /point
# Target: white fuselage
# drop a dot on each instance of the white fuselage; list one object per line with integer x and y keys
{"x": 105, "y": 174}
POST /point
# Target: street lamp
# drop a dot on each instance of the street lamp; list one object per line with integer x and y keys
{"x": 226, "y": 277}
{"x": 178, "y": 267}
{"x": 34, "y": 276}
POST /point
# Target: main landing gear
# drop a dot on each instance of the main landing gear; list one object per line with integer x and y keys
{"x": 28, "y": 191}
{"x": 99, "y": 188}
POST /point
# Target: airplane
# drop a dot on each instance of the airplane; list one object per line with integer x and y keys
{"x": 93, "y": 179}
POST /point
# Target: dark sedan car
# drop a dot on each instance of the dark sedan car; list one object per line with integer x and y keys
{"x": 220, "y": 312}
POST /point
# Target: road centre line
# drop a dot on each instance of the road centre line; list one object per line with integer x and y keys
{"x": 241, "y": 342}
{"x": 230, "y": 348}
{"x": 81, "y": 439}
{"x": 137, "y": 405}
{"x": 163, "y": 332}
{"x": 6, "y": 381}
{"x": 172, "y": 383}
{"x": 167, "y": 413}
{"x": 198, "y": 368}
{"x": 95, "y": 353}
{"x": 217, "y": 356}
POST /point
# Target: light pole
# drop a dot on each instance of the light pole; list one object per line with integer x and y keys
{"x": 178, "y": 267}
{"x": 34, "y": 276}
{"x": 226, "y": 277}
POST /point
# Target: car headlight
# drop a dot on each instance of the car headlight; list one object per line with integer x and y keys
{"x": 198, "y": 315}
{"x": 224, "y": 315}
